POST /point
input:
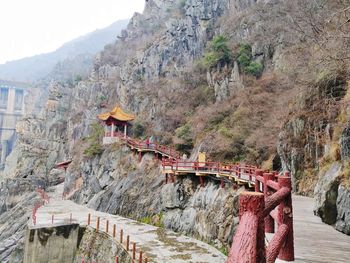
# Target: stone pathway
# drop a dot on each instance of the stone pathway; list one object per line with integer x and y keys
{"x": 315, "y": 241}
{"x": 159, "y": 245}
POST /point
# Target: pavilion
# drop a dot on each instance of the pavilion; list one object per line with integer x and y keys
{"x": 116, "y": 124}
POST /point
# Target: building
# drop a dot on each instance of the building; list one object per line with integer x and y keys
{"x": 116, "y": 124}
{"x": 12, "y": 109}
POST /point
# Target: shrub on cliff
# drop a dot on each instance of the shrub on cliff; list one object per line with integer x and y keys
{"x": 218, "y": 52}
{"x": 138, "y": 130}
{"x": 95, "y": 141}
{"x": 245, "y": 61}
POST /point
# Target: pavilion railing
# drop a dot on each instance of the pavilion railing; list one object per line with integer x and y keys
{"x": 144, "y": 145}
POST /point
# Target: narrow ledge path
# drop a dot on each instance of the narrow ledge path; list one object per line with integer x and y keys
{"x": 160, "y": 245}
{"x": 314, "y": 241}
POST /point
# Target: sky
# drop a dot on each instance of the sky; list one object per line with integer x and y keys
{"x": 31, "y": 27}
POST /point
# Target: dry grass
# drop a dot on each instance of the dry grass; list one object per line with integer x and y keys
{"x": 268, "y": 164}
{"x": 307, "y": 182}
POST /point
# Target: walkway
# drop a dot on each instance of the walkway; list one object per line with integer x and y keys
{"x": 315, "y": 241}
{"x": 159, "y": 245}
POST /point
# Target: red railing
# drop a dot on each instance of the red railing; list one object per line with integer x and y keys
{"x": 242, "y": 172}
{"x": 144, "y": 145}
{"x": 258, "y": 212}
{"x": 44, "y": 200}
{"x": 271, "y": 202}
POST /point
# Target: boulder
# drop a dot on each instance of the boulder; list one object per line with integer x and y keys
{"x": 343, "y": 208}
{"x": 326, "y": 193}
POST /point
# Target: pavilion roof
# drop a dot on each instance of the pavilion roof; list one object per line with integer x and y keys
{"x": 118, "y": 114}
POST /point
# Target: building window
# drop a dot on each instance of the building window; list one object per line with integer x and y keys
{"x": 4, "y": 93}
{"x": 18, "y": 100}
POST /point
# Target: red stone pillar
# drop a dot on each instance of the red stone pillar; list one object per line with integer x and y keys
{"x": 269, "y": 222}
{"x": 222, "y": 183}
{"x": 285, "y": 216}
{"x": 249, "y": 240}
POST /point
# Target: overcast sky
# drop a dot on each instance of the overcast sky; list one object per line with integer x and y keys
{"x": 30, "y": 27}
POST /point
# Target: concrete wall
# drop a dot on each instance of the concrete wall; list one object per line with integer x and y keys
{"x": 100, "y": 247}
{"x": 72, "y": 244}
{"x": 52, "y": 244}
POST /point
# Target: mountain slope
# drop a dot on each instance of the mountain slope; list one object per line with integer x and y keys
{"x": 36, "y": 67}
{"x": 242, "y": 80}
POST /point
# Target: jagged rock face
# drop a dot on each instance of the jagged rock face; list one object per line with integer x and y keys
{"x": 326, "y": 193}
{"x": 343, "y": 209}
{"x": 345, "y": 143}
{"x": 117, "y": 183}
{"x": 227, "y": 86}
{"x": 333, "y": 199}
{"x": 13, "y": 224}
{"x": 40, "y": 144}
{"x": 41, "y": 141}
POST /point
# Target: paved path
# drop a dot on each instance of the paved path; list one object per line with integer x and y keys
{"x": 160, "y": 245}
{"x": 315, "y": 241}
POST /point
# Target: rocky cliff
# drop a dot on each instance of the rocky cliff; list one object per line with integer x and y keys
{"x": 242, "y": 80}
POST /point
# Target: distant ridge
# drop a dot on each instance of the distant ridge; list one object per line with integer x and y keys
{"x": 34, "y": 68}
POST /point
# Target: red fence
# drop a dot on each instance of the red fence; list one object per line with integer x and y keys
{"x": 44, "y": 200}
{"x": 242, "y": 172}
{"x": 258, "y": 213}
{"x": 136, "y": 254}
{"x": 144, "y": 145}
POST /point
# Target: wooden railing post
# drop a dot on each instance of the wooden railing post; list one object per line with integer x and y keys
{"x": 114, "y": 230}
{"x": 134, "y": 251}
{"x": 140, "y": 257}
{"x": 98, "y": 223}
{"x": 269, "y": 222}
{"x": 249, "y": 240}
{"x": 285, "y": 216}
{"x": 121, "y": 236}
